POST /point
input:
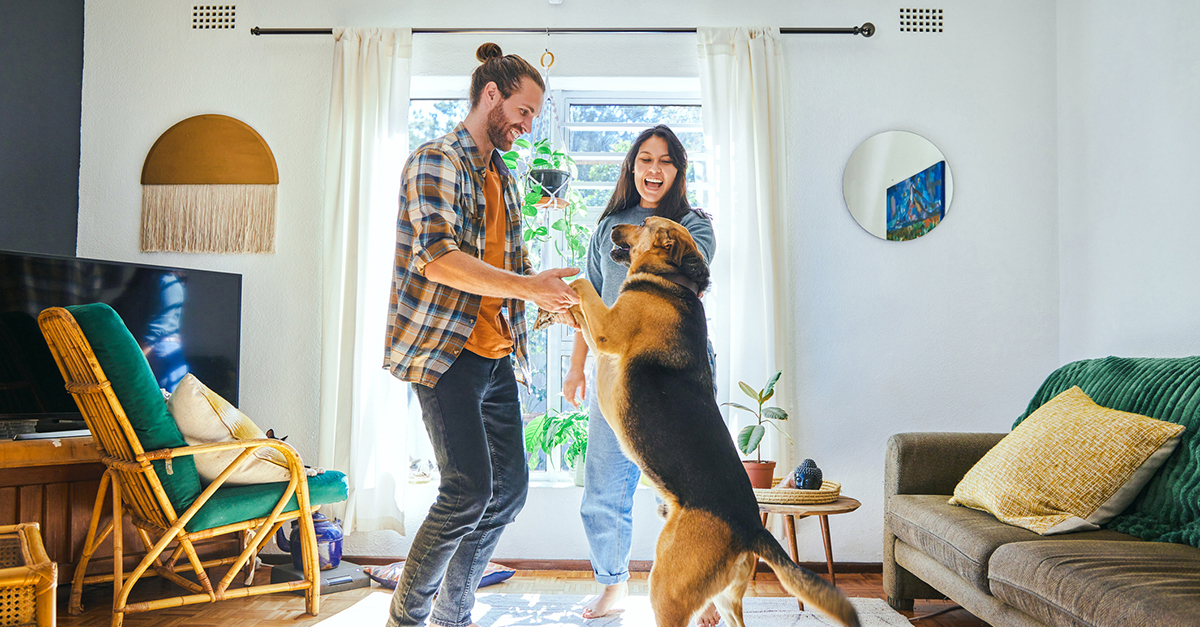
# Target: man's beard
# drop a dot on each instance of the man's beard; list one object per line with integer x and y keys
{"x": 498, "y": 128}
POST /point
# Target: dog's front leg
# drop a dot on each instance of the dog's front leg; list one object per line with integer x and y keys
{"x": 594, "y": 321}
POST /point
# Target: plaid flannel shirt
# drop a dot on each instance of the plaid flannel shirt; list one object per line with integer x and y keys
{"x": 442, "y": 209}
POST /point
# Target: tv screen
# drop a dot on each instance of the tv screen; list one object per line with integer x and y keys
{"x": 186, "y": 321}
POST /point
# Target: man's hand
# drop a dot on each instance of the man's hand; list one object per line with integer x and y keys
{"x": 548, "y": 291}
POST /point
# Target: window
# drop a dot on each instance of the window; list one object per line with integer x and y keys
{"x": 597, "y": 129}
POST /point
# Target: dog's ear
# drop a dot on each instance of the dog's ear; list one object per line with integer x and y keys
{"x": 674, "y": 248}
{"x": 693, "y": 267}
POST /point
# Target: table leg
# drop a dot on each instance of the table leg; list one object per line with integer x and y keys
{"x": 789, "y": 528}
{"x": 754, "y": 574}
{"x": 828, "y": 548}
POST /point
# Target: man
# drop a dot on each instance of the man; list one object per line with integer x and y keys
{"x": 456, "y": 321}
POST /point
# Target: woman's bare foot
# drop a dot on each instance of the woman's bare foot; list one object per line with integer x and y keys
{"x": 709, "y": 617}
{"x": 603, "y": 604}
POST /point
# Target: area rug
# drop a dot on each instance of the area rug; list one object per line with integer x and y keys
{"x": 552, "y": 610}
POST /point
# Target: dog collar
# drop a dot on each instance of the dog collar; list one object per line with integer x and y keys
{"x": 679, "y": 279}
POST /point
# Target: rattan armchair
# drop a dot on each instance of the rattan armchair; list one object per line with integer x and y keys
{"x": 134, "y": 477}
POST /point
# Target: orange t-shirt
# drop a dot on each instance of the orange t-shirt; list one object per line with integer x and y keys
{"x": 492, "y": 337}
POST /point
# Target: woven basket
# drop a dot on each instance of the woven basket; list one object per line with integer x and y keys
{"x": 829, "y": 492}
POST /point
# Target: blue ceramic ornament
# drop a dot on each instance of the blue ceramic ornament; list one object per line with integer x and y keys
{"x": 807, "y": 475}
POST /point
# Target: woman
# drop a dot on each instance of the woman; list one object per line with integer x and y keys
{"x": 651, "y": 183}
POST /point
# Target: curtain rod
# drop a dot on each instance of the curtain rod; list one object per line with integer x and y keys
{"x": 866, "y": 30}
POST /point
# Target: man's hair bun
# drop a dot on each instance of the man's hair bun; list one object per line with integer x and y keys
{"x": 487, "y": 52}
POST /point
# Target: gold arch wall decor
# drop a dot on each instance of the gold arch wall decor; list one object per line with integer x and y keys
{"x": 209, "y": 186}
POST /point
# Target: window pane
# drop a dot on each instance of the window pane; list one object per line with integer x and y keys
{"x": 430, "y": 119}
{"x": 596, "y": 198}
{"x": 583, "y": 140}
{"x": 599, "y": 172}
{"x": 641, "y": 114}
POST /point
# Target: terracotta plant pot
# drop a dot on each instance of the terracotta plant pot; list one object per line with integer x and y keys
{"x": 761, "y": 473}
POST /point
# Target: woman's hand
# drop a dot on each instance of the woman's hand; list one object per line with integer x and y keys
{"x": 575, "y": 382}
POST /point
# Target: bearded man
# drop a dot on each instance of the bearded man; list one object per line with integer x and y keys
{"x": 456, "y": 322}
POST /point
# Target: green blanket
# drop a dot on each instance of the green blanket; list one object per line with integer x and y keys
{"x": 1168, "y": 508}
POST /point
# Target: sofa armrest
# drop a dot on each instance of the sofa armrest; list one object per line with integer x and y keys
{"x": 932, "y": 463}
{"x": 923, "y": 463}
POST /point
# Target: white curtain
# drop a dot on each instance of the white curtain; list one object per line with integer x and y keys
{"x": 363, "y": 408}
{"x": 741, "y": 86}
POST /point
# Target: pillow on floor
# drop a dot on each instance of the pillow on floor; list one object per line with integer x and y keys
{"x": 204, "y": 417}
{"x": 387, "y": 576}
{"x": 1072, "y": 465}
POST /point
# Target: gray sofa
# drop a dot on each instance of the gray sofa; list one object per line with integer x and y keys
{"x": 1009, "y": 576}
{"x": 1141, "y": 568}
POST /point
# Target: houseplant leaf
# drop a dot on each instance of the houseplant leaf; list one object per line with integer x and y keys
{"x": 749, "y": 438}
{"x": 751, "y": 392}
{"x": 774, "y": 413}
{"x": 769, "y": 391}
{"x": 742, "y": 407}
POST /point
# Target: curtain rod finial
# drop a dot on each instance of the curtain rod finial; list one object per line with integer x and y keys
{"x": 867, "y": 29}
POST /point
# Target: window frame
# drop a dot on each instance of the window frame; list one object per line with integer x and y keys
{"x": 560, "y": 339}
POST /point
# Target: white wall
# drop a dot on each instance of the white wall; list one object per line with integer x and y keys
{"x": 950, "y": 332}
{"x": 1129, "y": 191}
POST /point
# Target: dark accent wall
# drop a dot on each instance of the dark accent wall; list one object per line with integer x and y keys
{"x": 41, "y": 86}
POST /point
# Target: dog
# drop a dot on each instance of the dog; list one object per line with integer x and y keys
{"x": 655, "y": 389}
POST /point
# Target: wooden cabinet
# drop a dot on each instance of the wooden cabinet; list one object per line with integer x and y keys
{"x": 54, "y": 483}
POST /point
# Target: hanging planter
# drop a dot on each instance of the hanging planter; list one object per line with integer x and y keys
{"x": 554, "y": 186}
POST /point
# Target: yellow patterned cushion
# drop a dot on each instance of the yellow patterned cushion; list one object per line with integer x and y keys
{"x": 204, "y": 417}
{"x": 1070, "y": 466}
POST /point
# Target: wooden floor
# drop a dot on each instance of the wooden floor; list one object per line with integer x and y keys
{"x": 285, "y": 609}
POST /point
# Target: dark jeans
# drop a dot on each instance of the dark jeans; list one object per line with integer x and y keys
{"x": 473, "y": 416}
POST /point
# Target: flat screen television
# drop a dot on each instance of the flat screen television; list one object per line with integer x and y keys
{"x": 186, "y": 321}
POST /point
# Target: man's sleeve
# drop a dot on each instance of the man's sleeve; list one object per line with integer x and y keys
{"x": 431, "y": 191}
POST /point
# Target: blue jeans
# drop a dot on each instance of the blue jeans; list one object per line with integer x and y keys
{"x": 609, "y": 482}
{"x": 473, "y": 416}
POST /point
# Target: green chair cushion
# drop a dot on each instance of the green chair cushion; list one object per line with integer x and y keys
{"x": 136, "y": 388}
{"x": 244, "y": 502}
{"x": 1164, "y": 388}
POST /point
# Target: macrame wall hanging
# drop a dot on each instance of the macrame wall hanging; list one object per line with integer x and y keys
{"x": 209, "y": 186}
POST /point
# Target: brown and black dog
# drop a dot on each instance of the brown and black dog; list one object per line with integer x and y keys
{"x": 655, "y": 390}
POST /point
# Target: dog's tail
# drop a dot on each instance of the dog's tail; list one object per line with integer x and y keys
{"x": 802, "y": 582}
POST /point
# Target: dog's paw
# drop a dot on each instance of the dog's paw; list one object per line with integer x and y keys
{"x": 543, "y": 321}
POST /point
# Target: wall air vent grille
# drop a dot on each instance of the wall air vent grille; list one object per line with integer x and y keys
{"x": 921, "y": 20}
{"x": 210, "y": 16}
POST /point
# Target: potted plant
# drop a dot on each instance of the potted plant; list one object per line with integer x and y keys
{"x": 553, "y": 429}
{"x": 544, "y": 176}
{"x": 751, "y": 436}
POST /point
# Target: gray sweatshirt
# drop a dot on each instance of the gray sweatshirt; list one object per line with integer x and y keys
{"x": 607, "y": 275}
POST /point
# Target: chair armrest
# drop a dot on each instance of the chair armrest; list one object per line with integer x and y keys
{"x": 932, "y": 463}
{"x": 293, "y": 456}
{"x": 298, "y": 484}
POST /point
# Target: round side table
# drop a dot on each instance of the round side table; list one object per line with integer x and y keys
{"x": 842, "y": 505}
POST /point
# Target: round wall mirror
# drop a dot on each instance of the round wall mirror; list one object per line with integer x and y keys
{"x": 897, "y": 185}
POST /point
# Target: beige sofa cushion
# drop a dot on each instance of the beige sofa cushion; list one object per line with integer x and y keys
{"x": 1100, "y": 584}
{"x": 963, "y": 539}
